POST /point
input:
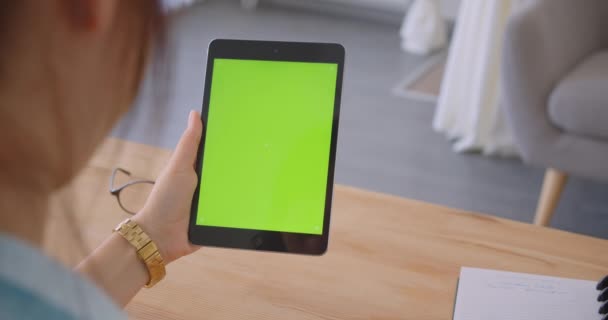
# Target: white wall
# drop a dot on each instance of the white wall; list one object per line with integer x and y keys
{"x": 386, "y": 10}
{"x": 448, "y": 7}
{"x": 393, "y": 5}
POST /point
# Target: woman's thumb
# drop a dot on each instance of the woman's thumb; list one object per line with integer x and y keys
{"x": 187, "y": 147}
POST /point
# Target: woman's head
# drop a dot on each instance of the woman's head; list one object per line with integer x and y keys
{"x": 68, "y": 70}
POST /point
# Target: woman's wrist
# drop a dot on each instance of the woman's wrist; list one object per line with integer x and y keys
{"x": 116, "y": 267}
{"x": 135, "y": 266}
{"x": 156, "y": 235}
{"x": 146, "y": 249}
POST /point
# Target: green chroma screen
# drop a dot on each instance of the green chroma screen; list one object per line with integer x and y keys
{"x": 267, "y": 145}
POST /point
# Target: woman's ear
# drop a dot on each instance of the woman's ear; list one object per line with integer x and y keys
{"x": 89, "y": 15}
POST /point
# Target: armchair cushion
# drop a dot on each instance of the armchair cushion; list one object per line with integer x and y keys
{"x": 579, "y": 102}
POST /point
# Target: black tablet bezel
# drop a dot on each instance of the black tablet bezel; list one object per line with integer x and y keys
{"x": 261, "y": 239}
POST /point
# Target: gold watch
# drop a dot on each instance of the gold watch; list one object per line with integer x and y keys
{"x": 146, "y": 250}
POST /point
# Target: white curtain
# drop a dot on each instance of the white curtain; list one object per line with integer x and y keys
{"x": 468, "y": 109}
{"x": 423, "y": 30}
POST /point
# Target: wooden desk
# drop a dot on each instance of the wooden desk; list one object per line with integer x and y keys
{"x": 389, "y": 258}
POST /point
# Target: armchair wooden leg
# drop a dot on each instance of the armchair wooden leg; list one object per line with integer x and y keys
{"x": 553, "y": 185}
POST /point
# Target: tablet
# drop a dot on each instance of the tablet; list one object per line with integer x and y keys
{"x": 266, "y": 158}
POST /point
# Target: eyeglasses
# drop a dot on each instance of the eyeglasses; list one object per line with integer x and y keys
{"x": 131, "y": 194}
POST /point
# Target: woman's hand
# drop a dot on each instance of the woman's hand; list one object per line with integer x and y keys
{"x": 114, "y": 265}
{"x": 166, "y": 214}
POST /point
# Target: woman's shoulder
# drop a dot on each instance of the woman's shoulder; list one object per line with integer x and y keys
{"x": 33, "y": 286}
{"x": 19, "y": 303}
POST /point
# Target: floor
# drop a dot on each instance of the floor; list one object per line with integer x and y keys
{"x": 386, "y": 142}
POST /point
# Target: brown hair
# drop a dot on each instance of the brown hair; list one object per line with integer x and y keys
{"x": 42, "y": 142}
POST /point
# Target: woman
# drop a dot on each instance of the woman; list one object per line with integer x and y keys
{"x": 68, "y": 70}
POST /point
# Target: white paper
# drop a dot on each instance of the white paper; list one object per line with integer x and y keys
{"x": 498, "y": 295}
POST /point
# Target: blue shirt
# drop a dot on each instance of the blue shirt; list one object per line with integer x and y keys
{"x": 33, "y": 286}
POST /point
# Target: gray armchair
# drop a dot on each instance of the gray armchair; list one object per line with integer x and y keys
{"x": 555, "y": 91}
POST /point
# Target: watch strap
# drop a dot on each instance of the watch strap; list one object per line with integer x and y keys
{"x": 146, "y": 249}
